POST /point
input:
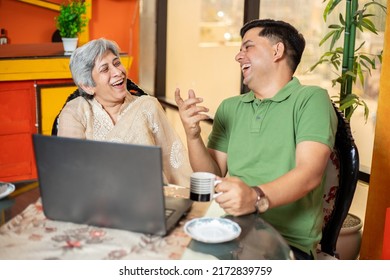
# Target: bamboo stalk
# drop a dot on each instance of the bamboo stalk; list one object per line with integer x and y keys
{"x": 352, "y": 39}
{"x": 346, "y": 48}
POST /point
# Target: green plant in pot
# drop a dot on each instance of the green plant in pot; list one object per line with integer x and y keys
{"x": 71, "y": 21}
{"x": 352, "y": 60}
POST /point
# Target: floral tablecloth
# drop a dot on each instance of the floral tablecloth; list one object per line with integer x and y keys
{"x": 31, "y": 235}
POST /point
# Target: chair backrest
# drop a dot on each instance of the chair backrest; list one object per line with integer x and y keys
{"x": 341, "y": 180}
{"x": 133, "y": 88}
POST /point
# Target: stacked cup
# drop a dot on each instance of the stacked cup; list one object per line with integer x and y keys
{"x": 202, "y": 186}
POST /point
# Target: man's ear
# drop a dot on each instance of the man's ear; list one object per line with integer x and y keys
{"x": 88, "y": 89}
{"x": 279, "y": 50}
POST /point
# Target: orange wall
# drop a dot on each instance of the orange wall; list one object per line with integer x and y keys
{"x": 25, "y": 23}
{"x": 116, "y": 20}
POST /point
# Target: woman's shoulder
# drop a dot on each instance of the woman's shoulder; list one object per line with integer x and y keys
{"x": 77, "y": 101}
{"x": 77, "y": 104}
{"x": 148, "y": 101}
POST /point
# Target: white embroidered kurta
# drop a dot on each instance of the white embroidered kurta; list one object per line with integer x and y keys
{"x": 141, "y": 120}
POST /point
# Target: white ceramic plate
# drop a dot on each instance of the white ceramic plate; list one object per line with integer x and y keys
{"x": 6, "y": 189}
{"x": 212, "y": 230}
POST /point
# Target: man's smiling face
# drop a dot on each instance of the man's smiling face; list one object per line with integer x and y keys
{"x": 255, "y": 56}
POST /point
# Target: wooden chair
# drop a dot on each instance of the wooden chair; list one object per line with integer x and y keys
{"x": 341, "y": 180}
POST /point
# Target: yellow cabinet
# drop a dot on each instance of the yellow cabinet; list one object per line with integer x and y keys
{"x": 50, "y": 99}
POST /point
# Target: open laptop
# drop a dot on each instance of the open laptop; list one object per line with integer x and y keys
{"x": 105, "y": 184}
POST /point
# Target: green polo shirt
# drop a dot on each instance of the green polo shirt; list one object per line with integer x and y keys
{"x": 260, "y": 139}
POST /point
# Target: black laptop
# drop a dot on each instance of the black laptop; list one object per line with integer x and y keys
{"x": 105, "y": 184}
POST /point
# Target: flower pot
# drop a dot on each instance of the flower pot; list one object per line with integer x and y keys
{"x": 350, "y": 238}
{"x": 70, "y": 44}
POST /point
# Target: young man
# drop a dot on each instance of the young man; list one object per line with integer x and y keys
{"x": 274, "y": 141}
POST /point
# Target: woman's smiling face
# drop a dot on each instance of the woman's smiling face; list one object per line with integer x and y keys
{"x": 110, "y": 78}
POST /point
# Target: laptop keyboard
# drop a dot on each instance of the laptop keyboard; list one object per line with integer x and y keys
{"x": 168, "y": 213}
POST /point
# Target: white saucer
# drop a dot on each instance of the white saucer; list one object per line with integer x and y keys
{"x": 6, "y": 189}
{"x": 212, "y": 230}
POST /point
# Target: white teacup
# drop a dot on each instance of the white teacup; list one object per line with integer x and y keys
{"x": 202, "y": 185}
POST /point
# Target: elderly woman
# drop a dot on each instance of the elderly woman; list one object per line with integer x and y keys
{"x": 106, "y": 111}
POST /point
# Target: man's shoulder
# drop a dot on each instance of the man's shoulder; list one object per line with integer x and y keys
{"x": 304, "y": 92}
{"x": 307, "y": 88}
{"x": 235, "y": 99}
{"x": 313, "y": 88}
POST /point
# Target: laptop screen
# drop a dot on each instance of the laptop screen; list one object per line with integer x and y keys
{"x": 101, "y": 183}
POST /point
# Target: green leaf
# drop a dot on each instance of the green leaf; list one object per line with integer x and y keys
{"x": 366, "y": 67}
{"x": 369, "y": 60}
{"x": 330, "y": 7}
{"x": 335, "y": 64}
{"x": 340, "y": 50}
{"x": 334, "y": 26}
{"x": 360, "y": 74}
{"x": 350, "y": 74}
{"x": 368, "y": 15}
{"x": 384, "y": 9}
{"x": 361, "y": 45}
{"x": 369, "y": 25}
{"x": 336, "y": 36}
{"x": 341, "y": 19}
{"x": 346, "y": 105}
{"x": 315, "y": 65}
{"x": 380, "y": 57}
{"x": 329, "y": 34}
{"x": 71, "y": 18}
{"x": 366, "y": 110}
{"x": 327, "y": 10}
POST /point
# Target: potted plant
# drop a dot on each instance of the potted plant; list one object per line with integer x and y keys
{"x": 71, "y": 22}
{"x": 350, "y": 238}
{"x": 352, "y": 61}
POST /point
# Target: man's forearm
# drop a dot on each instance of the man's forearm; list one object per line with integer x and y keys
{"x": 200, "y": 158}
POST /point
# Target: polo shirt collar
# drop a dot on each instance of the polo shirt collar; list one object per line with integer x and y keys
{"x": 283, "y": 94}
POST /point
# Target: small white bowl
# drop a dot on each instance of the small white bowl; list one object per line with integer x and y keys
{"x": 6, "y": 189}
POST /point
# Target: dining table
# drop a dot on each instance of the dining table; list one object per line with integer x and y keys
{"x": 27, "y": 234}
